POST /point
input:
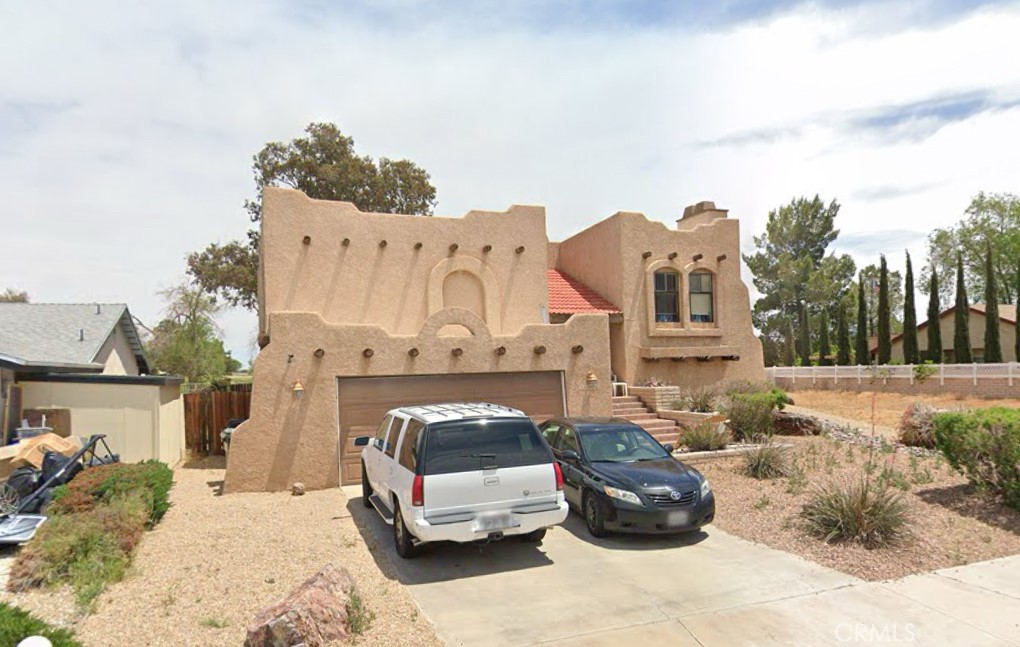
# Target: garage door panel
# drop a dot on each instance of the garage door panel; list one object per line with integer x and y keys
{"x": 364, "y": 400}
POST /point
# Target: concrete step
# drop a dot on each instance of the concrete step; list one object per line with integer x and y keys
{"x": 631, "y": 412}
{"x": 641, "y": 417}
{"x": 626, "y": 398}
{"x": 622, "y": 411}
{"x": 656, "y": 425}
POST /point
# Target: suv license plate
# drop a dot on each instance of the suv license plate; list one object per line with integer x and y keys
{"x": 497, "y": 521}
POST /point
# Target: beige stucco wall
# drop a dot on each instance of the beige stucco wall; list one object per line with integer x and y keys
{"x": 131, "y": 415}
{"x": 1007, "y": 337}
{"x": 116, "y": 355}
{"x": 609, "y": 257}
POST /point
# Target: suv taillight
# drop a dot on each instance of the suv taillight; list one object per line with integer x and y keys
{"x": 418, "y": 491}
{"x": 559, "y": 476}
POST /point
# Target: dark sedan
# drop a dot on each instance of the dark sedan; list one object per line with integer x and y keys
{"x": 620, "y": 478}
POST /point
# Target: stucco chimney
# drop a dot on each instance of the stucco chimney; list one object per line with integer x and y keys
{"x": 699, "y": 214}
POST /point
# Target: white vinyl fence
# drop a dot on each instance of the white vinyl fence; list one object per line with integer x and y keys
{"x": 910, "y": 372}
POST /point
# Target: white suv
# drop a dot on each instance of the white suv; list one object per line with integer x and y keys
{"x": 461, "y": 472}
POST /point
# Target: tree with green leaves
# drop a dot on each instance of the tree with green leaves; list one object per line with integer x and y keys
{"x": 789, "y": 357}
{"x": 991, "y": 220}
{"x": 325, "y": 166}
{"x": 961, "y": 336}
{"x": 861, "y": 348}
{"x": 934, "y": 327}
{"x": 790, "y": 265}
{"x": 185, "y": 343}
{"x": 872, "y": 280}
{"x": 10, "y": 295}
{"x": 1016, "y": 343}
{"x": 842, "y": 338}
{"x": 824, "y": 348}
{"x": 993, "y": 344}
{"x": 884, "y": 338}
{"x": 910, "y": 352}
{"x": 804, "y": 342}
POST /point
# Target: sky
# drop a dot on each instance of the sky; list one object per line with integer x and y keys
{"x": 127, "y": 129}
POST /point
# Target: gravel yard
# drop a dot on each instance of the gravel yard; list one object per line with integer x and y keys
{"x": 951, "y": 525}
{"x": 215, "y": 561}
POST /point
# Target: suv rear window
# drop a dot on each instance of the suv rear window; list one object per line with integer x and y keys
{"x": 472, "y": 445}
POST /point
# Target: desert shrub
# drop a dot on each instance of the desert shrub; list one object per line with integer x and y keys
{"x": 705, "y": 437}
{"x": 699, "y": 400}
{"x": 106, "y": 482}
{"x": 17, "y": 624}
{"x": 916, "y": 426}
{"x": 750, "y": 387}
{"x": 983, "y": 445}
{"x": 767, "y": 461}
{"x": 750, "y": 415}
{"x": 859, "y": 511}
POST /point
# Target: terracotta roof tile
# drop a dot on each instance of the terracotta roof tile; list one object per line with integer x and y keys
{"x": 567, "y": 295}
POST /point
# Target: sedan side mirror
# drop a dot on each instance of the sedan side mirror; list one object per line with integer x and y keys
{"x": 669, "y": 448}
{"x": 570, "y": 456}
{"x": 361, "y": 441}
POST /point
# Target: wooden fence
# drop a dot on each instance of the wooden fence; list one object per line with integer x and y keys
{"x": 206, "y": 414}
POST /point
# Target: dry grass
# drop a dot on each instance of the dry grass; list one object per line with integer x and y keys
{"x": 950, "y": 524}
{"x": 215, "y": 561}
{"x": 889, "y": 407}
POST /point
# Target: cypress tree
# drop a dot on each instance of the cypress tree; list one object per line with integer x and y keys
{"x": 788, "y": 344}
{"x": 842, "y": 338}
{"x": 993, "y": 345}
{"x": 910, "y": 355}
{"x": 884, "y": 342}
{"x": 805, "y": 336}
{"x": 934, "y": 323}
{"x": 824, "y": 348}
{"x": 961, "y": 336}
{"x": 861, "y": 349}
{"x": 1016, "y": 344}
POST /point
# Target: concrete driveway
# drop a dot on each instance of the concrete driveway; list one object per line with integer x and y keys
{"x": 707, "y": 589}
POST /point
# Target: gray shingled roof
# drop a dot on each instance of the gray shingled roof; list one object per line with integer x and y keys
{"x": 63, "y": 335}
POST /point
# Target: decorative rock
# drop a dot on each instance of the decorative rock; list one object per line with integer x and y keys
{"x": 297, "y": 489}
{"x": 313, "y": 615}
{"x": 788, "y": 423}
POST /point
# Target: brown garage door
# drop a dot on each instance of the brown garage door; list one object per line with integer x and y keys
{"x": 363, "y": 401}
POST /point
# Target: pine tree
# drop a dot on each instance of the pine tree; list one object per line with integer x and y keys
{"x": 842, "y": 338}
{"x": 961, "y": 336}
{"x": 861, "y": 348}
{"x": 824, "y": 348}
{"x": 934, "y": 323}
{"x": 788, "y": 344}
{"x": 805, "y": 336}
{"x": 910, "y": 354}
{"x": 884, "y": 341}
{"x": 993, "y": 345}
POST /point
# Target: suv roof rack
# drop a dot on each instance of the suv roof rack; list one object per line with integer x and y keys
{"x": 460, "y": 411}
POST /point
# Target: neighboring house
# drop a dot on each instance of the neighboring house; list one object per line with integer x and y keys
{"x": 947, "y": 323}
{"x": 360, "y": 313}
{"x": 88, "y": 359}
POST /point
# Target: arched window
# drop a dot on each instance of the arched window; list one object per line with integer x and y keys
{"x": 702, "y": 297}
{"x": 667, "y": 296}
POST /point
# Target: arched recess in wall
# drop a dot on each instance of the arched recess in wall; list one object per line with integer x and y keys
{"x": 448, "y": 317}
{"x": 464, "y": 282}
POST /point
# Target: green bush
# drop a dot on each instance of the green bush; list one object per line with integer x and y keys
{"x": 707, "y": 437}
{"x": 17, "y": 624}
{"x": 750, "y": 415}
{"x": 767, "y": 461}
{"x": 748, "y": 387}
{"x": 984, "y": 445}
{"x": 859, "y": 511}
{"x": 917, "y": 424}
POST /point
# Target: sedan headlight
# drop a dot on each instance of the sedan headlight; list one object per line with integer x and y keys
{"x": 623, "y": 495}
{"x": 704, "y": 488}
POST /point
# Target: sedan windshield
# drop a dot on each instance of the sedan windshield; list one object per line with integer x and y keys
{"x": 620, "y": 444}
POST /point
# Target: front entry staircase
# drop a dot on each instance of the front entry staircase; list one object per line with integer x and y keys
{"x": 630, "y": 407}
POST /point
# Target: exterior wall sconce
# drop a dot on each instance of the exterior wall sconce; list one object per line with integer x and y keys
{"x": 298, "y": 390}
{"x": 501, "y": 350}
{"x": 577, "y": 350}
{"x": 382, "y": 243}
{"x": 345, "y": 242}
{"x": 646, "y": 255}
{"x": 592, "y": 380}
{"x": 413, "y": 352}
{"x": 673, "y": 255}
{"x": 487, "y": 249}
{"x": 417, "y": 245}
{"x": 368, "y": 352}
{"x": 519, "y": 250}
{"x": 457, "y": 352}
{"x": 319, "y": 353}
{"x": 454, "y": 247}
{"x": 698, "y": 257}
{"x": 539, "y": 350}
{"x": 720, "y": 258}
{"x": 307, "y": 240}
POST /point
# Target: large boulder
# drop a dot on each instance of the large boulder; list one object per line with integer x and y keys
{"x": 314, "y": 614}
{"x": 787, "y": 423}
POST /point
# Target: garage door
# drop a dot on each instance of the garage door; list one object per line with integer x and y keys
{"x": 364, "y": 400}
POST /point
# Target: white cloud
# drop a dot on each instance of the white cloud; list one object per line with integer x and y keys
{"x": 126, "y": 131}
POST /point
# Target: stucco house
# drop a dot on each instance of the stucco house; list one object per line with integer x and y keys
{"x": 976, "y": 327}
{"x": 363, "y": 312}
{"x": 87, "y": 359}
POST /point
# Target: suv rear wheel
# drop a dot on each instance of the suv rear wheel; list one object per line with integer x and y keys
{"x": 366, "y": 487}
{"x": 401, "y": 537}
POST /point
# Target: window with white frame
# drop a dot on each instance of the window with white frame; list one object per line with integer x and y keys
{"x": 702, "y": 297}
{"x": 667, "y": 296}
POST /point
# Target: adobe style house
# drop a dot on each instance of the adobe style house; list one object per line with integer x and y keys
{"x": 976, "y": 327}
{"x": 360, "y": 313}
